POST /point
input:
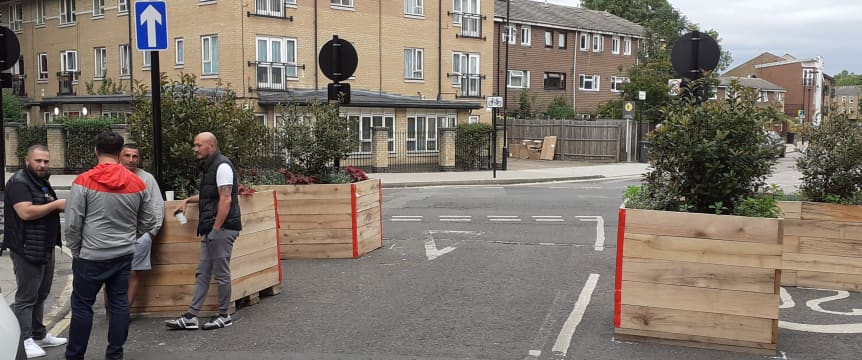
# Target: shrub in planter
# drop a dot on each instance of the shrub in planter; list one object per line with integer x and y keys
{"x": 831, "y": 163}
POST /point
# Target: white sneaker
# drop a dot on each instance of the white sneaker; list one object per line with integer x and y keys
{"x": 32, "y": 349}
{"x": 51, "y": 340}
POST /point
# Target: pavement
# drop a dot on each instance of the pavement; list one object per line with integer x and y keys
{"x": 518, "y": 171}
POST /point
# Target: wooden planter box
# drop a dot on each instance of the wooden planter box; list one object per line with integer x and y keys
{"x": 700, "y": 280}
{"x": 168, "y": 288}
{"x": 329, "y": 220}
{"x": 822, "y": 245}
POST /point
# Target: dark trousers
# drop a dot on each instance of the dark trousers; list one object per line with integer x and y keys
{"x": 34, "y": 285}
{"x": 89, "y": 276}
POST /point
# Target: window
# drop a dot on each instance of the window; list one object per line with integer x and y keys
{"x": 414, "y": 61}
{"x": 261, "y": 118}
{"x": 473, "y": 119}
{"x": 584, "y": 43}
{"x": 598, "y": 43}
{"x": 148, "y": 59}
{"x": 270, "y": 8}
{"x": 561, "y": 40}
{"x": 616, "y": 81}
{"x": 588, "y": 82}
{"x": 763, "y": 96}
{"x": 615, "y": 45}
{"x": 422, "y": 130}
{"x": 780, "y": 97}
{"x": 98, "y": 7}
{"x": 180, "y": 52}
{"x": 843, "y": 99}
{"x": 16, "y": 16}
{"x": 555, "y": 81}
{"x": 510, "y": 34}
{"x": 122, "y": 6}
{"x": 807, "y": 77}
{"x": 40, "y": 12}
{"x": 101, "y": 61}
{"x": 414, "y": 7}
{"x": 627, "y": 46}
{"x": 465, "y": 73}
{"x": 549, "y": 39}
{"x": 209, "y": 54}
{"x": 42, "y": 66}
{"x": 67, "y": 12}
{"x": 125, "y": 61}
{"x": 526, "y": 35}
{"x": 460, "y": 7}
{"x": 276, "y": 62}
{"x": 518, "y": 79}
{"x": 343, "y": 3}
{"x": 851, "y": 99}
{"x": 367, "y": 121}
{"x": 69, "y": 63}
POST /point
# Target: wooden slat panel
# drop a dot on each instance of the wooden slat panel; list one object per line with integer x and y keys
{"x": 831, "y": 212}
{"x": 699, "y": 275}
{"x": 317, "y": 251}
{"x": 823, "y": 263}
{"x": 316, "y": 236}
{"x": 304, "y": 222}
{"x": 719, "y": 252}
{"x": 254, "y": 283}
{"x": 791, "y": 244}
{"x": 834, "y": 247}
{"x": 259, "y": 201}
{"x": 711, "y": 327}
{"x": 812, "y": 228}
{"x": 258, "y": 221}
{"x": 173, "y": 232}
{"x": 851, "y": 231}
{"x": 310, "y": 192}
{"x": 247, "y": 243}
{"x": 729, "y": 302}
{"x": 365, "y": 202}
{"x": 314, "y": 206}
{"x": 822, "y": 280}
{"x": 368, "y": 187}
{"x": 368, "y": 216}
{"x": 254, "y": 262}
{"x": 171, "y": 274}
{"x": 788, "y": 278}
{"x": 700, "y": 342}
{"x": 791, "y": 209}
{"x": 189, "y": 252}
{"x": 151, "y": 297}
{"x": 703, "y": 226}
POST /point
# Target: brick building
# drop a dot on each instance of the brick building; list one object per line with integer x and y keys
{"x": 420, "y": 66}
{"x": 557, "y": 50}
{"x": 847, "y": 100}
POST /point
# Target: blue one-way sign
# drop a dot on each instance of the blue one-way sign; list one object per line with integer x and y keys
{"x": 151, "y": 24}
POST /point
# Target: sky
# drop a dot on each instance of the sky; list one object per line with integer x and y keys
{"x": 803, "y": 28}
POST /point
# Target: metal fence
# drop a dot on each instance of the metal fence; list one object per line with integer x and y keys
{"x": 602, "y": 140}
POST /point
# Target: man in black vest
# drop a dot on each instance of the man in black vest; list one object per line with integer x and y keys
{"x": 218, "y": 227}
{"x": 32, "y": 216}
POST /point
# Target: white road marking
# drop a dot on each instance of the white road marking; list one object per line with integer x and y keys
{"x": 546, "y": 328}
{"x": 506, "y": 220}
{"x": 839, "y": 294}
{"x": 535, "y": 353}
{"x": 406, "y": 218}
{"x": 548, "y": 218}
{"x": 600, "y": 230}
{"x": 502, "y": 216}
{"x": 456, "y": 218}
{"x": 823, "y": 329}
{"x": 431, "y": 251}
{"x": 786, "y": 300}
{"x": 561, "y": 346}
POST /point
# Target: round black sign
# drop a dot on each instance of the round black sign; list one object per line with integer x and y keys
{"x": 688, "y": 61}
{"x": 338, "y": 59}
{"x": 10, "y": 48}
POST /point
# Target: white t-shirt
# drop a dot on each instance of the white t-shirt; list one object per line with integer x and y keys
{"x": 224, "y": 175}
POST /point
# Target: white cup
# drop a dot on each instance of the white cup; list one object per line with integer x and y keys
{"x": 169, "y": 195}
{"x": 181, "y": 217}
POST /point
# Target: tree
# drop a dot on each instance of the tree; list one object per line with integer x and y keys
{"x": 13, "y": 108}
{"x": 845, "y": 78}
{"x": 650, "y": 77}
{"x": 560, "y": 109}
{"x": 525, "y": 105}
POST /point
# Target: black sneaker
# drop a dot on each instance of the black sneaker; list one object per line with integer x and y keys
{"x": 218, "y": 322}
{"x": 186, "y": 322}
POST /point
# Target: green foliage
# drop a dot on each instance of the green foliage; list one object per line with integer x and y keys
{"x": 651, "y": 77}
{"x": 560, "y": 109}
{"x": 471, "y": 139}
{"x": 708, "y": 156}
{"x": 80, "y": 134}
{"x": 845, "y": 78}
{"x": 13, "y": 108}
{"x": 29, "y": 136}
{"x": 106, "y": 87}
{"x": 317, "y": 137}
{"x": 188, "y": 110}
{"x": 525, "y": 105}
{"x": 611, "y": 109}
{"x": 761, "y": 204}
{"x": 831, "y": 163}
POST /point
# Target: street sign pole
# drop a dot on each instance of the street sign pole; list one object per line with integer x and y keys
{"x": 494, "y": 143}
{"x": 155, "y": 77}
{"x": 10, "y": 50}
{"x": 151, "y": 32}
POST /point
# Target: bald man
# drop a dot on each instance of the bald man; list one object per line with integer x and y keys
{"x": 218, "y": 227}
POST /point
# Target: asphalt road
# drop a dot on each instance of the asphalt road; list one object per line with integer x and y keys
{"x": 492, "y": 272}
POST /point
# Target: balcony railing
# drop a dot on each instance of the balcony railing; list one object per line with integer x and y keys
{"x": 274, "y": 75}
{"x": 270, "y": 9}
{"x": 18, "y": 85}
{"x": 470, "y": 85}
{"x": 65, "y": 80}
{"x": 471, "y": 24}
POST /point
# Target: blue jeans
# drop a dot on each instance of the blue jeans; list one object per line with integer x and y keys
{"x": 89, "y": 276}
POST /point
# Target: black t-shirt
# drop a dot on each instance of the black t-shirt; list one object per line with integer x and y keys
{"x": 17, "y": 192}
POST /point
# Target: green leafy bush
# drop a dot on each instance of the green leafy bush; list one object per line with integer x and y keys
{"x": 525, "y": 105}
{"x": 831, "y": 163}
{"x": 13, "y": 107}
{"x": 709, "y": 157}
{"x": 560, "y": 109}
{"x": 80, "y": 134}
{"x": 317, "y": 137}
{"x": 471, "y": 140}
{"x": 29, "y": 136}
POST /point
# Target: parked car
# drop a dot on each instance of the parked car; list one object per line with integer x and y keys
{"x": 776, "y": 141}
{"x": 10, "y": 330}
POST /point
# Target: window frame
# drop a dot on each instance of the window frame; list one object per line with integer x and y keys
{"x": 417, "y": 66}
{"x": 549, "y": 39}
{"x": 147, "y": 61}
{"x": 595, "y": 80}
{"x": 627, "y": 46}
{"x": 524, "y": 75}
{"x": 125, "y": 61}
{"x": 42, "y": 67}
{"x": 342, "y": 3}
{"x": 16, "y": 16}
{"x": 267, "y": 9}
{"x": 616, "y": 81}
{"x": 615, "y": 45}
{"x": 385, "y": 117}
{"x": 67, "y": 12}
{"x": 179, "y": 52}
{"x": 562, "y": 40}
{"x": 208, "y": 46}
{"x": 100, "y": 63}
{"x": 414, "y": 7}
{"x": 584, "y": 42}
{"x": 65, "y": 56}
{"x": 122, "y": 6}
{"x": 554, "y": 74}
{"x": 468, "y": 59}
{"x": 526, "y": 35}
{"x": 40, "y": 12}
{"x": 598, "y": 43}
{"x": 98, "y": 8}
{"x": 510, "y": 34}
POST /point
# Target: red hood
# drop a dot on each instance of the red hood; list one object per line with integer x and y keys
{"x": 111, "y": 178}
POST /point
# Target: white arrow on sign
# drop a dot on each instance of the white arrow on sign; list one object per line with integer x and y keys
{"x": 151, "y": 17}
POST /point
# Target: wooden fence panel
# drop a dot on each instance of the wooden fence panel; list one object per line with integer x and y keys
{"x": 603, "y": 140}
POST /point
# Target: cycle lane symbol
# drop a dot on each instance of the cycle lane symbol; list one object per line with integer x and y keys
{"x": 815, "y": 304}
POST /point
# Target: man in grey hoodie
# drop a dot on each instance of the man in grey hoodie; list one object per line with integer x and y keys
{"x": 106, "y": 212}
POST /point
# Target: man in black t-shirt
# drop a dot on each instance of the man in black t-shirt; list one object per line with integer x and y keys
{"x": 32, "y": 230}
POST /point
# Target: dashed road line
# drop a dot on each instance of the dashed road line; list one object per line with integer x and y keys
{"x": 456, "y": 218}
{"x": 406, "y": 218}
{"x": 548, "y": 218}
{"x": 561, "y": 346}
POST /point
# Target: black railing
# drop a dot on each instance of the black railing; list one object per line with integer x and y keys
{"x": 471, "y": 26}
{"x": 273, "y": 75}
{"x": 270, "y": 9}
{"x": 65, "y": 79}
{"x": 470, "y": 85}
{"x": 18, "y": 85}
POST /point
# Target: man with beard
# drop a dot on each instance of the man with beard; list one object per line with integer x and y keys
{"x": 32, "y": 219}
